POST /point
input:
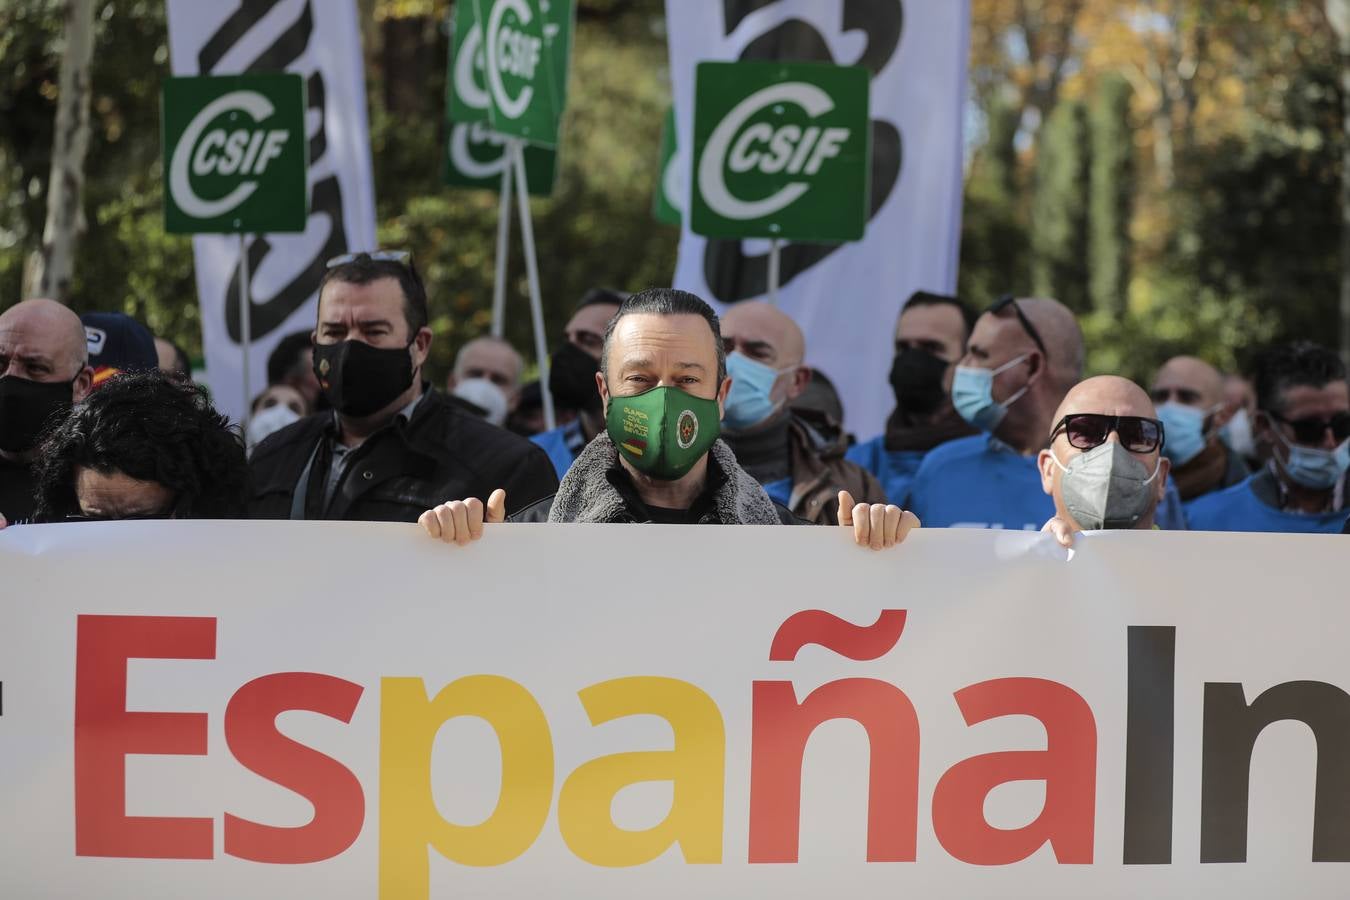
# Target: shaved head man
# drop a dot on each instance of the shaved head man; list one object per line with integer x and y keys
{"x": 491, "y": 359}
{"x": 1189, "y": 395}
{"x": 797, "y": 455}
{"x": 1104, "y": 466}
{"x": 1023, "y": 357}
{"x": 44, "y": 368}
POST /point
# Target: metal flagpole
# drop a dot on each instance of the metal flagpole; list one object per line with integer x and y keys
{"x": 245, "y": 324}
{"x": 775, "y": 263}
{"x": 503, "y": 250}
{"x": 532, "y": 274}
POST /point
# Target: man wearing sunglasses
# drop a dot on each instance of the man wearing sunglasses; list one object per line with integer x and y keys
{"x": 1023, "y": 357}
{"x": 1303, "y": 423}
{"x": 1105, "y": 466}
{"x": 391, "y": 447}
{"x": 1189, "y": 396}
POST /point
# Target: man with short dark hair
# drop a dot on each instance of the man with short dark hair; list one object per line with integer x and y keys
{"x": 663, "y": 389}
{"x": 44, "y": 369}
{"x": 291, "y": 363}
{"x": 571, "y": 378}
{"x": 391, "y": 447}
{"x": 930, "y": 339}
{"x": 1303, "y": 425}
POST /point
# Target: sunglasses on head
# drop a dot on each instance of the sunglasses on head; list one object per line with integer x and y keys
{"x": 1088, "y": 430}
{"x": 1310, "y": 430}
{"x": 398, "y": 256}
{"x": 1007, "y": 300}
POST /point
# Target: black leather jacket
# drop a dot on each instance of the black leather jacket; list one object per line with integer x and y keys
{"x": 443, "y": 452}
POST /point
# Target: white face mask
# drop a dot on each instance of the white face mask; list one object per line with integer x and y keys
{"x": 267, "y": 421}
{"x": 486, "y": 396}
{"x": 1238, "y": 434}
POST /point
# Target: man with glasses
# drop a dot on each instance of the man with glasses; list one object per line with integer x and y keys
{"x": 391, "y": 447}
{"x": 1022, "y": 358}
{"x": 1303, "y": 424}
{"x": 1105, "y": 466}
{"x": 1189, "y": 396}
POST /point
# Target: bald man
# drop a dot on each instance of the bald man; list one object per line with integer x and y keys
{"x": 489, "y": 359}
{"x": 1022, "y": 358}
{"x": 797, "y": 455}
{"x": 1105, "y": 466}
{"x": 44, "y": 368}
{"x": 1189, "y": 395}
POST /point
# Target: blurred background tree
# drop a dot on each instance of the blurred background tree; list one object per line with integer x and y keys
{"x": 1172, "y": 169}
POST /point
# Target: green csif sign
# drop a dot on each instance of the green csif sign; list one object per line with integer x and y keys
{"x": 475, "y": 156}
{"x": 670, "y": 196}
{"x": 781, "y": 150}
{"x": 526, "y": 47}
{"x": 235, "y": 154}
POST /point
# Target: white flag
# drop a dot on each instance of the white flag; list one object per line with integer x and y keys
{"x": 846, "y": 297}
{"x": 320, "y": 39}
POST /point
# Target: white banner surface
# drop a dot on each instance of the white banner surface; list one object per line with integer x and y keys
{"x": 845, "y": 297}
{"x": 217, "y": 710}
{"x": 321, "y": 40}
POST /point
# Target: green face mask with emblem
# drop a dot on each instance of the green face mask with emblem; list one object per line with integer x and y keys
{"x": 664, "y": 431}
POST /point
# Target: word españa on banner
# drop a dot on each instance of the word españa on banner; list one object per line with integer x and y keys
{"x": 526, "y": 46}
{"x": 781, "y": 150}
{"x": 411, "y": 717}
{"x": 475, "y": 156}
{"x": 235, "y": 154}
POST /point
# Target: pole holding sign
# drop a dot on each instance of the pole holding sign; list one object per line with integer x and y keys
{"x": 236, "y": 161}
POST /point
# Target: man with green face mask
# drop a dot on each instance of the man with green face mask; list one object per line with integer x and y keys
{"x": 663, "y": 388}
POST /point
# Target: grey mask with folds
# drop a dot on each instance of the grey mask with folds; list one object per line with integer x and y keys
{"x": 1106, "y": 487}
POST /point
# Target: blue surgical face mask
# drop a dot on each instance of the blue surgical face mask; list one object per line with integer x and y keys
{"x": 1185, "y": 429}
{"x": 973, "y": 394}
{"x": 750, "y": 400}
{"x": 1312, "y": 468}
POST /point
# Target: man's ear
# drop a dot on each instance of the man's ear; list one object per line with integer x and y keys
{"x": 801, "y": 378}
{"x": 1224, "y": 414}
{"x": 603, "y": 390}
{"x": 722, "y": 397}
{"x": 1164, "y": 469}
{"x": 422, "y": 345}
{"x": 83, "y": 385}
{"x": 1047, "y": 467}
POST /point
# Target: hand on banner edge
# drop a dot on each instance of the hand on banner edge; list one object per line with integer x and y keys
{"x": 461, "y": 521}
{"x": 875, "y": 525}
{"x": 1062, "y": 531}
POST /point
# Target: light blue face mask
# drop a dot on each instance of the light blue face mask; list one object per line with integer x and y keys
{"x": 1185, "y": 429}
{"x": 1315, "y": 469}
{"x": 750, "y": 400}
{"x": 973, "y": 394}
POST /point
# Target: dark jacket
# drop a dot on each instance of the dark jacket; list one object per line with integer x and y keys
{"x": 597, "y": 489}
{"x": 442, "y": 453}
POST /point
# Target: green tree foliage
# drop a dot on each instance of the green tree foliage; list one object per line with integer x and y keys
{"x": 1111, "y": 194}
{"x": 1059, "y": 242}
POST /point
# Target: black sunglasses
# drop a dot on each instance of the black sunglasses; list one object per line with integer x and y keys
{"x": 398, "y": 256}
{"x": 1007, "y": 300}
{"x": 1309, "y": 430}
{"x": 1088, "y": 430}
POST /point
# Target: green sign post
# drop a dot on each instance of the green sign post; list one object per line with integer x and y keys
{"x": 670, "y": 195}
{"x": 236, "y": 161}
{"x": 781, "y": 151}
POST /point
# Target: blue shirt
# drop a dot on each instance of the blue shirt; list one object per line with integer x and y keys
{"x": 979, "y": 482}
{"x": 1238, "y": 508}
{"x": 562, "y": 445}
{"x": 780, "y": 491}
{"x": 893, "y": 468}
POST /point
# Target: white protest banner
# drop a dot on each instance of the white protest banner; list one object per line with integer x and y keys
{"x": 846, "y": 297}
{"x": 322, "y": 42}
{"x": 639, "y": 712}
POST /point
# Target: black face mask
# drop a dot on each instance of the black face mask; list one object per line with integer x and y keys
{"x": 359, "y": 379}
{"x": 916, "y": 378}
{"x": 26, "y": 407}
{"x": 571, "y": 378}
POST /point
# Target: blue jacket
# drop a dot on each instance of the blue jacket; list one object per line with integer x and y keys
{"x": 1239, "y": 508}
{"x": 562, "y": 444}
{"x": 893, "y": 468}
{"x": 979, "y": 482}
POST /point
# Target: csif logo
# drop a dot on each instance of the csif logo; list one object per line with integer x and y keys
{"x": 770, "y": 150}
{"x": 523, "y": 52}
{"x": 235, "y": 154}
{"x": 515, "y": 50}
{"x": 781, "y": 150}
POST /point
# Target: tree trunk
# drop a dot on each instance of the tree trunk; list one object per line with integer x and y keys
{"x": 1338, "y": 12}
{"x": 53, "y": 266}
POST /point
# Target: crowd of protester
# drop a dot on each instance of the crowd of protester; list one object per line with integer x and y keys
{"x": 667, "y": 415}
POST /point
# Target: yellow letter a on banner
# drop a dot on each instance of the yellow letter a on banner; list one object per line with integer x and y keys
{"x": 408, "y": 817}
{"x": 696, "y": 766}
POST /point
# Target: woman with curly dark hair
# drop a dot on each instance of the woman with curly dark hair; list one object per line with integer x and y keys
{"x": 143, "y": 446}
